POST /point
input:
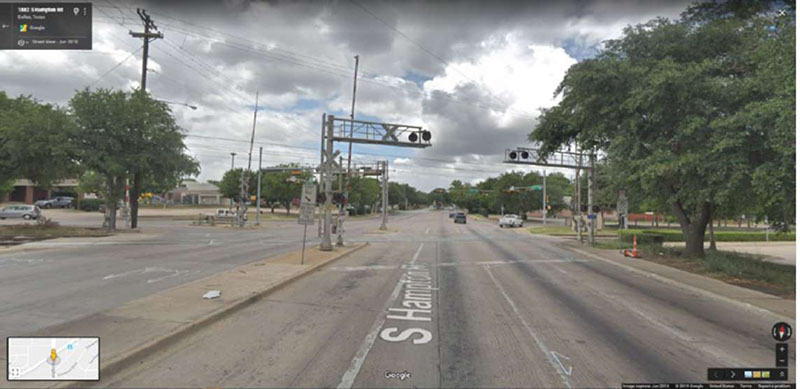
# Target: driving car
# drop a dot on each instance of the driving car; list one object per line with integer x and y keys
{"x": 24, "y": 211}
{"x": 55, "y": 202}
{"x": 460, "y": 217}
{"x": 510, "y": 221}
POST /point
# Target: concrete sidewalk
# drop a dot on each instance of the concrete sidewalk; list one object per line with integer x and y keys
{"x": 784, "y": 253}
{"x": 135, "y": 329}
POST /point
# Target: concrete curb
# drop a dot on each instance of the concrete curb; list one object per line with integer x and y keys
{"x": 669, "y": 281}
{"x": 121, "y": 361}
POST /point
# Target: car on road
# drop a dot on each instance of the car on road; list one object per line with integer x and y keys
{"x": 452, "y": 215}
{"x": 55, "y": 202}
{"x": 460, "y": 217}
{"x": 23, "y": 211}
{"x": 510, "y": 221}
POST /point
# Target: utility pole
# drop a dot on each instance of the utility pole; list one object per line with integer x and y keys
{"x": 544, "y": 198}
{"x": 137, "y": 176}
{"x": 340, "y": 218}
{"x": 258, "y": 189}
{"x": 146, "y": 36}
{"x": 327, "y": 166}
{"x": 385, "y": 196}
{"x": 233, "y": 155}
{"x": 346, "y": 192}
{"x": 321, "y": 173}
{"x": 590, "y": 209}
{"x": 245, "y": 181}
{"x": 578, "y": 197}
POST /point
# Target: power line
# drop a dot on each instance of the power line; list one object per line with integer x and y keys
{"x": 328, "y": 67}
{"x": 115, "y": 66}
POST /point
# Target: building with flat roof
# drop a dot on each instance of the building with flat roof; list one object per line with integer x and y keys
{"x": 26, "y": 192}
{"x": 192, "y": 192}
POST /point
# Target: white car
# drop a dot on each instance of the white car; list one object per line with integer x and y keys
{"x": 24, "y": 211}
{"x": 510, "y": 221}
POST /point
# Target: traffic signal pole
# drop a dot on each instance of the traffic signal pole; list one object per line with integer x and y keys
{"x": 544, "y": 198}
{"x": 385, "y": 196}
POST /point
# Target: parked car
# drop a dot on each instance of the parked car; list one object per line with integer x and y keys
{"x": 56, "y": 202}
{"x": 510, "y": 221}
{"x": 24, "y": 211}
{"x": 460, "y": 217}
{"x": 223, "y": 213}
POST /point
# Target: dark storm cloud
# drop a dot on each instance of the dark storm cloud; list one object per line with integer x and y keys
{"x": 461, "y": 132}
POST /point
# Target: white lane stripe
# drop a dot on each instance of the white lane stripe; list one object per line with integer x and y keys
{"x": 349, "y": 376}
{"x": 427, "y": 230}
{"x": 557, "y": 366}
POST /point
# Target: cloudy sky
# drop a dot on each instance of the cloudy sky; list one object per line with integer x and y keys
{"x": 474, "y": 73}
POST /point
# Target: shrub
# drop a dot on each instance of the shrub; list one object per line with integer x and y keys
{"x": 90, "y": 205}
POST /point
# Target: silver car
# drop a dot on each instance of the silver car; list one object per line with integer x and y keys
{"x": 56, "y": 202}
{"x": 24, "y": 211}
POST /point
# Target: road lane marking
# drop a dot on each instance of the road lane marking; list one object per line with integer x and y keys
{"x": 350, "y": 374}
{"x": 140, "y": 271}
{"x": 175, "y": 274}
{"x": 457, "y": 264}
{"x": 427, "y": 230}
{"x": 557, "y": 366}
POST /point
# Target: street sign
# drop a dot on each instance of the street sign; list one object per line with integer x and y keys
{"x": 592, "y": 216}
{"x": 536, "y": 187}
{"x": 622, "y": 203}
{"x": 309, "y": 194}
{"x": 306, "y": 213}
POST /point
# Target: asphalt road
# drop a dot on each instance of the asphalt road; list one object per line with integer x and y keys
{"x": 43, "y": 288}
{"x": 442, "y": 305}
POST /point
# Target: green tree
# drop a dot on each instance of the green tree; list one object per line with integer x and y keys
{"x": 279, "y": 188}
{"x": 33, "y": 141}
{"x": 101, "y": 143}
{"x": 689, "y": 113}
{"x": 159, "y": 162}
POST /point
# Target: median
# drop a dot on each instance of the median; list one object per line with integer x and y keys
{"x": 136, "y": 329}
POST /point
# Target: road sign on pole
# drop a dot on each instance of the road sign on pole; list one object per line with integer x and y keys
{"x": 309, "y": 194}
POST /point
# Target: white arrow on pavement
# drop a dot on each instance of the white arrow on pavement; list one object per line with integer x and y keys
{"x": 558, "y": 360}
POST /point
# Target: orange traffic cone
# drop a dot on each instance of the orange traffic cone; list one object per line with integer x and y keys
{"x": 632, "y": 253}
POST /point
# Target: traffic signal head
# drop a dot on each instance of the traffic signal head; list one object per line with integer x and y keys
{"x": 524, "y": 155}
{"x": 426, "y": 135}
{"x": 512, "y": 155}
{"x": 412, "y": 137}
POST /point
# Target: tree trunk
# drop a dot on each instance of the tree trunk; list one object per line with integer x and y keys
{"x": 693, "y": 230}
{"x": 288, "y": 207}
{"x": 712, "y": 242}
{"x": 135, "y": 189}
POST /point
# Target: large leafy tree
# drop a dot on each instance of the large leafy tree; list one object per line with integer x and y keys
{"x": 690, "y": 113}
{"x": 33, "y": 141}
{"x": 279, "y": 188}
{"x": 123, "y": 136}
{"x": 159, "y": 161}
{"x": 101, "y": 141}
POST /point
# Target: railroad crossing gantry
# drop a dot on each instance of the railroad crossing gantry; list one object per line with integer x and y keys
{"x": 564, "y": 159}
{"x": 358, "y": 131}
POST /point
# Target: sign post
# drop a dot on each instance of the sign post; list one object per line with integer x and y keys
{"x": 307, "y": 206}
